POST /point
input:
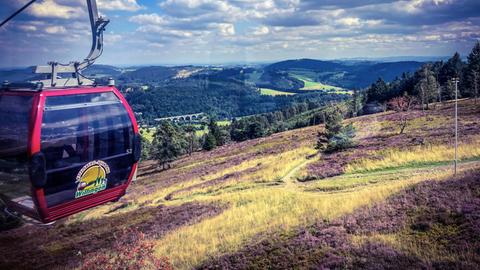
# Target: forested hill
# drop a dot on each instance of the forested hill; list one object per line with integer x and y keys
{"x": 310, "y": 64}
{"x": 236, "y": 90}
{"x": 223, "y": 98}
{"x": 347, "y": 74}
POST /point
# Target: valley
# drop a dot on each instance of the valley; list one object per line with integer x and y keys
{"x": 228, "y": 91}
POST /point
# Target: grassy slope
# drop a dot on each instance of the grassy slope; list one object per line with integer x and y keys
{"x": 255, "y": 184}
{"x": 312, "y": 85}
{"x": 272, "y": 92}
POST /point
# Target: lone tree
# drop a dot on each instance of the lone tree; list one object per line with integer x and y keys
{"x": 401, "y": 105}
{"x": 169, "y": 143}
{"x": 336, "y": 136}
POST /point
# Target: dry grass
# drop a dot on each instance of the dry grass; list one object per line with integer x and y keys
{"x": 262, "y": 197}
{"x": 274, "y": 209}
{"x": 420, "y": 155}
{"x": 261, "y": 210}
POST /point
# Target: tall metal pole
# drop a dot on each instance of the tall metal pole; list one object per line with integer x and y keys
{"x": 455, "y": 80}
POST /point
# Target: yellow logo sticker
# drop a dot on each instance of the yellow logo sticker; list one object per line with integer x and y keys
{"x": 92, "y": 178}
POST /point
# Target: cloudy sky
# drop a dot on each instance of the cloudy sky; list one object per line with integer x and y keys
{"x": 210, "y": 31}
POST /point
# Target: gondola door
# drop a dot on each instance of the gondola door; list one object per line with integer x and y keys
{"x": 87, "y": 141}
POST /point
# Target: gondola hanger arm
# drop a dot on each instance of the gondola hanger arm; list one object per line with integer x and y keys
{"x": 53, "y": 68}
{"x": 98, "y": 25}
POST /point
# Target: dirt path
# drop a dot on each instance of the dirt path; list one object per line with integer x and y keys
{"x": 289, "y": 178}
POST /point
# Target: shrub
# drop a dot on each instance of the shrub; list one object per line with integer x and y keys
{"x": 337, "y": 136}
{"x": 341, "y": 140}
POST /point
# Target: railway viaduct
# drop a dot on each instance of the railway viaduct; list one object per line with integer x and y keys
{"x": 183, "y": 118}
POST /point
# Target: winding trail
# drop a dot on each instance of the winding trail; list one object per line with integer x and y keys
{"x": 289, "y": 178}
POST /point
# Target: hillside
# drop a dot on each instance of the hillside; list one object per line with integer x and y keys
{"x": 345, "y": 74}
{"x": 234, "y": 91}
{"x": 222, "y": 98}
{"x": 389, "y": 202}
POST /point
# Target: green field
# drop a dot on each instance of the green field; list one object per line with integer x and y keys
{"x": 271, "y": 92}
{"x": 224, "y": 123}
{"x": 312, "y": 85}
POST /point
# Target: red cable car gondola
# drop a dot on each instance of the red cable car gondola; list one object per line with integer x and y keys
{"x": 65, "y": 150}
{"x": 65, "y": 147}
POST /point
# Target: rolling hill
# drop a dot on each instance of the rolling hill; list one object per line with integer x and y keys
{"x": 391, "y": 201}
{"x": 351, "y": 74}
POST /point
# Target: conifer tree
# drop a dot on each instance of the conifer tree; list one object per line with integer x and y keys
{"x": 472, "y": 72}
{"x": 169, "y": 143}
{"x": 427, "y": 86}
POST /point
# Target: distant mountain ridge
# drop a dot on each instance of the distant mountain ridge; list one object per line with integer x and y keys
{"x": 281, "y": 75}
{"x": 311, "y": 64}
{"x": 347, "y": 74}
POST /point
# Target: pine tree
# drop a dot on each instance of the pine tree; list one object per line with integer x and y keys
{"x": 472, "y": 72}
{"x": 333, "y": 122}
{"x": 451, "y": 69}
{"x": 427, "y": 86}
{"x": 355, "y": 102}
{"x": 168, "y": 144}
{"x": 336, "y": 136}
{"x": 378, "y": 91}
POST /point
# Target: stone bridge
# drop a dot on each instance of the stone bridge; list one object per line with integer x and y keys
{"x": 183, "y": 118}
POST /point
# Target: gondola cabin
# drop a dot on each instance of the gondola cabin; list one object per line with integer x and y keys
{"x": 63, "y": 151}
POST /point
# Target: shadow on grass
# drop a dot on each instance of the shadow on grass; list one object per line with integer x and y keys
{"x": 66, "y": 246}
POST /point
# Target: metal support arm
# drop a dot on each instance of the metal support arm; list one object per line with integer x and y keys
{"x": 98, "y": 25}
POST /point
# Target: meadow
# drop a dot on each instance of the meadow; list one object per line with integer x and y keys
{"x": 272, "y": 92}
{"x": 275, "y": 201}
{"x": 311, "y": 84}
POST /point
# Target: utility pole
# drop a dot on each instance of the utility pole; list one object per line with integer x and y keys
{"x": 456, "y": 81}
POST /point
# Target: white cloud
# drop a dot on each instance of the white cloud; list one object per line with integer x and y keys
{"x": 260, "y": 31}
{"x": 190, "y": 8}
{"x": 55, "y": 29}
{"x": 112, "y": 38}
{"x": 28, "y": 28}
{"x": 148, "y": 19}
{"x": 226, "y": 29}
{"x": 349, "y": 21}
{"x": 432, "y": 37}
{"x": 51, "y": 9}
{"x": 127, "y": 5}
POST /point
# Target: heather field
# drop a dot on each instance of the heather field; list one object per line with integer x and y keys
{"x": 391, "y": 201}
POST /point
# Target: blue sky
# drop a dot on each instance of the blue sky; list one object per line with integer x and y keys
{"x": 145, "y": 32}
